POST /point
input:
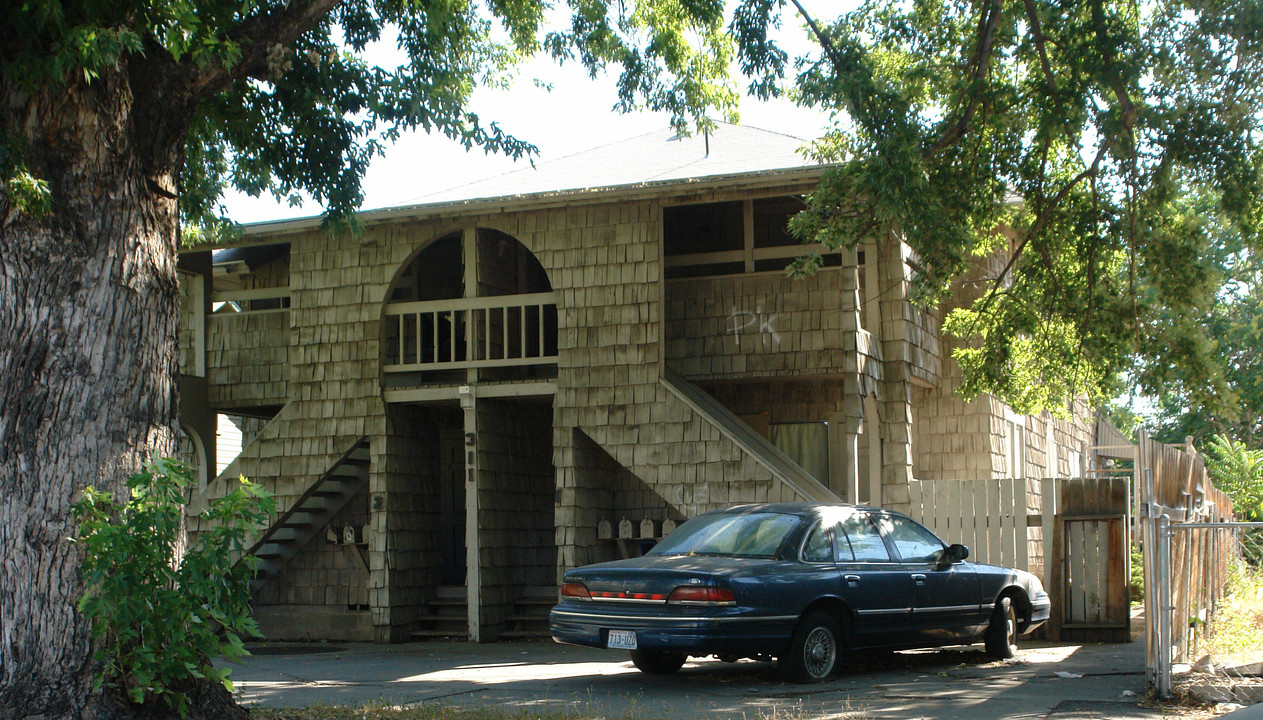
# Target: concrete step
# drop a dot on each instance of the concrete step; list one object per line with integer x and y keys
{"x": 525, "y": 635}
{"x": 439, "y": 635}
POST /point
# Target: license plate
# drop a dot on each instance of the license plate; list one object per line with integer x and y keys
{"x": 621, "y": 640}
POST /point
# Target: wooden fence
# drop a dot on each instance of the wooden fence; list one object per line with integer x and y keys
{"x": 990, "y": 517}
{"x": 1173, "y": 484}
{"x": 1084, "y": 564}
{"x": 1089, "y": 561}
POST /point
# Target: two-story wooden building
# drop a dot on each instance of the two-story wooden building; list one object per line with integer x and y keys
{"x": 456, "y": 403}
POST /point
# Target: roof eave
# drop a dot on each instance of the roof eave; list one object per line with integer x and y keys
{"x": 253, "y": 233}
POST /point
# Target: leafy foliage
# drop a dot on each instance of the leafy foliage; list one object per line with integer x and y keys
{"x": 1237, "y": 470}
{"x": 160, "y": 617}
{"x": 1083, "y": 132}
{"x": 283, "y": 101}
{"x": 1216, "y": 387}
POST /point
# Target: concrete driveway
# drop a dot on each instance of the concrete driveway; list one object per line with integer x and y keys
{"x": 1045, "y": 681}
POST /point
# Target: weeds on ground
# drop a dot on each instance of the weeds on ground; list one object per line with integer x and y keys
{"x": 387, "y": 711}
{"x": 1235, "y": 634}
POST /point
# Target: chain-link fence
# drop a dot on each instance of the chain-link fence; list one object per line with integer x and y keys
{"x": 1211, "y": 585}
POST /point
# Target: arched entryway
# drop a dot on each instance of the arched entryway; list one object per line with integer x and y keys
{"x": 469, "y": 352}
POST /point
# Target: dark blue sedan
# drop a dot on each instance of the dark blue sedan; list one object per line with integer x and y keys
{"x": 798, "y": 583}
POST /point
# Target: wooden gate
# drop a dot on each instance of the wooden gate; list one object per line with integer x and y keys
{"x": 1090, "y": 562}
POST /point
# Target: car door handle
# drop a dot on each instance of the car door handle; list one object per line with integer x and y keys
{"x": 852, "y": 580}
{"x": 918, "y": 578}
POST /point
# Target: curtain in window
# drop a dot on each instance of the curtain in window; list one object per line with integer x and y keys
{"x": 806, "y": 444}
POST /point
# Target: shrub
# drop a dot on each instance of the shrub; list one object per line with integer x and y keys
{"x": 159, "y": 617}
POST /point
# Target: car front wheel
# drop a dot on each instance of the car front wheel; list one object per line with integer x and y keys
{"x": 1002, "y": 632}
{"x": 813, "y": 651}
{"x": 657, "y": 662}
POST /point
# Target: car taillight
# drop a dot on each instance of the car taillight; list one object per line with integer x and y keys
{"x": 575, "y": 590}
{"x": 693, "y": 595}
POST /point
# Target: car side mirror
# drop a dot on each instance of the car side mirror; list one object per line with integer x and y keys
{"x": 953, "y": 554}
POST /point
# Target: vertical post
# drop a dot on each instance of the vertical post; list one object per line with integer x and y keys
{"x": 469, "y": 250}
{"x": 473, "y": 545}
{"x": 468, "y": 403}
{"x": 852, "y": 417}
{"x": 1165, "y": 609}
{"x": 747, "y": 224}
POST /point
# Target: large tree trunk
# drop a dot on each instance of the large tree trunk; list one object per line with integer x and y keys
{"x": 88, "y": 308}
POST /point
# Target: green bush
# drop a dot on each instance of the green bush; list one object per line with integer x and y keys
{"x": 160, "y": 617}
{"x": 1136, "y": 586}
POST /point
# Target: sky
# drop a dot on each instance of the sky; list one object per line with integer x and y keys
{"x": 575, "y": 115}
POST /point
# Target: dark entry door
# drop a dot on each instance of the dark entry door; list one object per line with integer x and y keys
{"x": 452, "y": 506}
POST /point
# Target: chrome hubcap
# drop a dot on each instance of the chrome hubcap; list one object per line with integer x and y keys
{"x": 819, "y": 652}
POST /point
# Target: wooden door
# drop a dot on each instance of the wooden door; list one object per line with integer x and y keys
{"x": 452, "y": 506}
{"x": 1091, "y": 562}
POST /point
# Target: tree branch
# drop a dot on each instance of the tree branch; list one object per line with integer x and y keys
{"x": 1037, "y": 36}
{"x": 987, "y": 27}
{"x": 258, "y": 37}
{"x": 1044, "y": 216}
{"x": 823, "y": 39}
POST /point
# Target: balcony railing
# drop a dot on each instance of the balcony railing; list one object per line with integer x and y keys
{"x": 484, "y": 332}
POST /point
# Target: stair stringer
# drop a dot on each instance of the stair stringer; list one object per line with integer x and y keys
{"x": 697, "y": 456}
{"x": 797, "y": 481}
{"x": 307, "y": 516}
{"x": 284, "y": 458}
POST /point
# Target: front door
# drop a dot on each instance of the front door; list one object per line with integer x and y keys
{"x": 452, "y": 506}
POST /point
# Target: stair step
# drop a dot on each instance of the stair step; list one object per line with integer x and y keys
{"x": 525, "y": 635}
{"x": 284, "y": 533}
{"x": 339, "y": 485}
{"x": 536, "y": 602}
{"x": 270, "y": 550}
{"x": 315, "y": 503}
{"x": 439, "y": 634}
{"x": 449, "y": 592}
{"x": 302, "y": 518}
{"x": 448, "y": 603}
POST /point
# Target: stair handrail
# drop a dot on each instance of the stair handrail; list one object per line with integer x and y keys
{"x": 758, "y": 447}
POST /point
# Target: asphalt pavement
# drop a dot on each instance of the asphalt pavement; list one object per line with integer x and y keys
{"x": 1045, "y": 680}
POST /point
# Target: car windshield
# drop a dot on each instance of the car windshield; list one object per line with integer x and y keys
{"x": 756, "y": 534}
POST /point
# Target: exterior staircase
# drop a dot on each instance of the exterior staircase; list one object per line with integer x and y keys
{"x": 754, "y": 444}
{"x": 309, "y": 515}
{"x": 446, "y": 616}
{"x": 529, "y": 620}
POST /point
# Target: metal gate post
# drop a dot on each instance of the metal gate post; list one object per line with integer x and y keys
{"x": 1165, "y": 606}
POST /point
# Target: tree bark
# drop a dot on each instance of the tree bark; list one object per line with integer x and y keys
{"x": 88, "y": 308}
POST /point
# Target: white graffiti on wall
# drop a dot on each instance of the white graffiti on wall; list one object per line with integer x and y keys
{"x": 740, "y": 321}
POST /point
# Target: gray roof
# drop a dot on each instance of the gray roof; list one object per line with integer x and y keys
{"x": 736, "y": 152}
{"x": 656, "y": 157}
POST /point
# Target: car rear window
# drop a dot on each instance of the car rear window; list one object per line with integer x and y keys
{"x": 861, "y": 541}
{"x": 758, "y": 534}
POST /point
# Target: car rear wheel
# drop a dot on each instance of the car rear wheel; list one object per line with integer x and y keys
{"x": 657, "y": 662}
{"x": 813, "y": 651}
{"x": 1002, "y": 632}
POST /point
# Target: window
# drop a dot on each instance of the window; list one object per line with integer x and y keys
{"x": 914, "y": 543}
{"x": 1050, "y": 442}
{"x": 730, "y": 238}
{"x": 806, "y": 444}
{"x": 758, "y": 534}
{"x": 860, "y": 540}
{"x": 819, "y": 545}
{"x": 1014, "y": 445}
